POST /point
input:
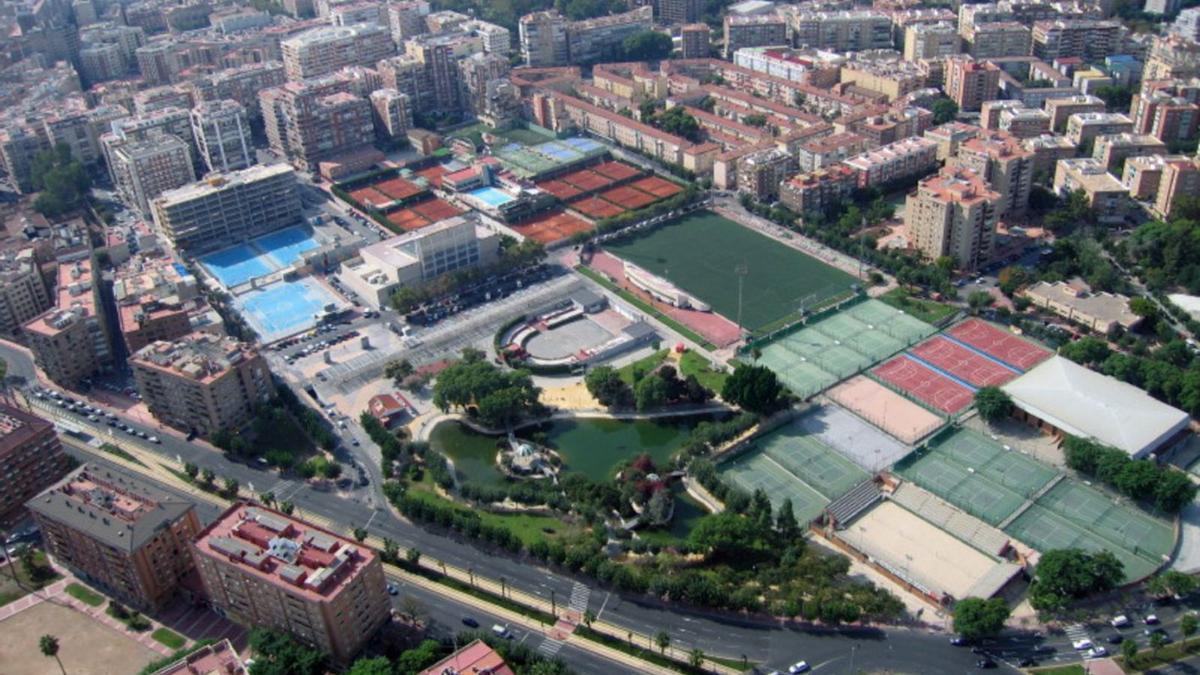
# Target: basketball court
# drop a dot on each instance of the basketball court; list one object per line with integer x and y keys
{"x": 924, "y": 384}
{"x": 999, "y": 344}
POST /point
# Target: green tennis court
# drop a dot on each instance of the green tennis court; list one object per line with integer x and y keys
{"x": 892, "y": 321}
{"x": 802, "y": 377}
{"x": 702, "y": 253}
{"x": 1044, "y": 530}
{"x": 1124, "y": 525}
{"x": 755, "y": 470}
{"x": 815, "y": 463}
{"x": 971, "y": 492}
{"x": 989, "y": 459}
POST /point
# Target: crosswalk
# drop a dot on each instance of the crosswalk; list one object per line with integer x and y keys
{"x": 1076, "y": 632}
{"x": 550, "y": 647}
{"x": 579, "y": 598}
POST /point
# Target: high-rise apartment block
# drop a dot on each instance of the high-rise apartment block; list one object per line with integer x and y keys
{"x": 969, "y": 83}
{"x": 1083, "y": 128}
{"x": 143, "y": 169}
{"x": 680, "y": 11}
{"x": 1180, "y": 177}
{"x": 202, "y": 383}
{"x": 757, "y": 30}
{"x": 999, "y": 40}
{"x": 393, "y": 113}
{"x": 1060, "y": 109}
{"x": 316, "y": 120}
{"x": 1089, "y": 39}
{"x": 70, "y": 342}
{"x": 222, "y": 134}
{"x": 1007, "y": 167}
{"x": 1166, "y": 110}
{"x": 120, "y": 532}
{"x": 600, "y": 39}
{"x": 931, "y": 41}
{"x": 31, "y": 459}
{"x": 324, "y": 50}
{"x": 544, "y": 39}
{"x": 240, "y": 84}
{"x": 263, "y": 568}
{"x": 23, "y": 292}
{"x": 407, "y": 19}
{"x": 229, "y": 208}
{"x": 953, "y": 214}
{"x": 842, "y": 30}
{"x": 1113, "y": 149}
{"x": 695, "y": 41}
{"x": 1107, "y": 196}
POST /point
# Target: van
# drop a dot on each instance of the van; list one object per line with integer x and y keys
{"x": 501, "y": 631}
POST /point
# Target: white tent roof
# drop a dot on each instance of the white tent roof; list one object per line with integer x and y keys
{"x": 1085, "y": 403}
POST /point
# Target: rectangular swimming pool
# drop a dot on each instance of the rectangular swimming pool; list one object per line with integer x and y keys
{"x": 491, "y": 196}
{"x": 284, "y": 308}
{"x": 285, "y": 246}
{"x": 237, "y": 265}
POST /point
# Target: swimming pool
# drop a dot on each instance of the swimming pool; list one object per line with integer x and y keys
{"x": 237, "y": 265}
{"x": 285, "y": 246}
{"x": 491, "y": 196}
{"x": 284, "y": 308}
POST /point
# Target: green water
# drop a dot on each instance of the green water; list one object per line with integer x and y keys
{"x": 593, "y": 447}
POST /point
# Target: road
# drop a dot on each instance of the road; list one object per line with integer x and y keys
{"x": 769, "y": 643}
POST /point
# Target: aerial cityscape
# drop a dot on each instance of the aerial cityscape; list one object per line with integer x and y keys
{"x": 599, "y": 336}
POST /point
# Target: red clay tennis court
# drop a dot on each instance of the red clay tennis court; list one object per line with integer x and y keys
{"x": 433, "y": 174}
{"x": 552, "y": 227}
{"x": 407, "y": 220}
{"x": 628, "y": 197}
{"x": 659, "y": 187}
{"x": 398, "y": 188}
{"x": 586, "y": 180}
{"x": 436, "y": 209}
{"x": 1000, "y": 344}
{"x": 962, "y": 363}
{"x": 559, "y": 189}
{"x": 924, "y": 384}
{"x": 594, "y": 207}
{"x": 616, "y": 170}
{"x": 370, "y": 197}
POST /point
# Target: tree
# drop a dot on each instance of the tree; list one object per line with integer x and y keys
{"x": 231, "y": 486}
{"x": 1157, "y": 640}
{"x": 398, "y": 371}
{"x": 360, "y": 534}
{"x": 1063, "y": 575}
{"x": 659, "y": 508}
{"x": 785, "y": 522}
{"x": 679, "y": 122}
{"x": 696, "y": 657}
{"x": 650, "y": 393}
{"x": 420, "y": 657}
{"x": 62, "y": 180}
{"x": 191, "y": 470}
{"x": 606, "y": 385}
{"x": 267, "y": 498}
{"x": 208, "y": 476}
{"x": 49, "y": 646}
{"x": 993, "y": 403}
{"x": 944, "y": 110}
{"x": 976, "y": 618}
{"x": 287, "y": 507}
{"x": 1188, "y": 625}
{"x": 1143, "y": 307}
{"x": 1173, "y": 490}
{"x": 1011, "y": 279}
{"x": 1116, "y": 97}
{"x": 1137, "y": 478}
{"x": 588, "y": 617}
{"x": 754, "y": 388}
{"x": 379, "y": 665}
{"x": 663, "y": 640}
{"x": 977, "y": 300}
{"x": 1171, "y": 583}
{"x": 647, "y": 45}
{"x": 1086, "y": 351}
{"x": 1072, "y": 212}
{"x": 1129, "y": 650}
{"x": 497, "y": 397}
{"x": 278, "y": 654}
{"x": 391, "y": 550}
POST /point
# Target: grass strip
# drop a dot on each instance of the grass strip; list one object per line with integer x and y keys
{"x": 85, "y": 595}
{"x": 475, "y": 591}
{"x": 1073, "y": 669}
{"x": 645, "y": 307}
{"x": 1149, "y": 659}
{"x": 657, "y": 658}
{"x": 929, "y": 311}
{"x": 118, "y": 451}
{"x": 169, "y": 638}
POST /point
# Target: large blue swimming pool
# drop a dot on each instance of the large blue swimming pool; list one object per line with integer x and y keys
{"x": 269, "y": 253}
{"x": 491, "y": 196}
{"x": 284, "y": 308}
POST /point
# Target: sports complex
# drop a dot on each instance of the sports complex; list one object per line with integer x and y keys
{"x": 260, "y": 275}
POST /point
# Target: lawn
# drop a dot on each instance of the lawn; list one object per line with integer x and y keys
{"x": 628, "y": 372}
{"x": 169, "y": 638}
{"x": 1073, "y": 669}
{"x": 527, "y": 528}
{"x": 118, "y": 451}
{"x": 11, "y": 590}
{"x": 702, "y": 253}
{"x": 929, "y": 311}
{"x": 85, "y": 595}
{"x": 692, "y": 363}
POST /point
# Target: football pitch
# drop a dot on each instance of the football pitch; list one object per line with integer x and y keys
{"x": 701, "y": 253}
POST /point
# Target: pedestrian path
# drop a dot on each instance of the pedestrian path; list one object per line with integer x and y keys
{"x": 579, "y": 598}
{"x": 1076, "y": 632}
{"x": 550, "y": 647}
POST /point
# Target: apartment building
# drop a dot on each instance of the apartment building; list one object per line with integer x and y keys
{"x": 969, "y": 83}
{"x": 241, "y": 84}
{"x": 1142, "y": 175}
{"x": 1164, "y": 114}
{"x": 262, "y": 568}
{"x": 407, "y": 19}
{"x": 997, "y": 40}
{"x": 317, "y": 120}
{"x": 1076, "y": 301}
{"x": 1060, "y": 109}
{"x": 695, "y": 41}
{"x": 1088, "y": 39}
{"x": 950, "y": 136}
{"x": 824, "y": 151}
{"x": 1171, "y": 57}
{"x": 119, "y": 532}
{"x": 23, "y": 292}
{"x": 31, "y": 459}
{"x": 549, "y": 39}
{"x": 1047, "y": 149}
{"x": 680, "y": 11}
{"x": 763, "y": 30}
{"x": 842, "y": 30}
{"x": 222, "y": 133}
{"x": 931, "y": 41}
{"x": 1179, "y": 177}
{"x": 440, "y": 56}
{"x": 819, "y": 191}
{"x": 760, "y": 173}
{"x": 324, "y": 50}
{"x": 1083, "y": 128}
{"x": 228, "y": 208}
{"x": 904, "y": 159}
{"x": 953, "y": 214}
{"x": 70, "y": 341}
{"x": 885, "y": 74}
{"x": 1005, "y": 165}
{"x": 102, "y": 62}
{"x": 1107, "y": 196}
{"x": 568, "y": 111}
{"x": 1187, "y": 24}
{"x": 141, "y": 170}
{"x": 166, "y": 121}
{"x": 202, "y": 383}
{"x": 1113, "y": 149}
{"x": 393, "y": 113}
{"x": 543, "y": 39}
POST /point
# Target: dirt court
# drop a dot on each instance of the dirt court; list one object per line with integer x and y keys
{"x": 886, "y": 409}
{"x": 917, "y": 550}
{"x": 85, "y": 646}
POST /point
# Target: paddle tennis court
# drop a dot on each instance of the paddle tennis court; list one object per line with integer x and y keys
{"x": 963, "y": 363}
{"x": 840, "y": 345}
{"x": 1000, "y": 344}
{"x": 901, "y": 418}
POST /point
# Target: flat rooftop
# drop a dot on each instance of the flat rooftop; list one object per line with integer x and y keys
{"x": 198, "y": 356}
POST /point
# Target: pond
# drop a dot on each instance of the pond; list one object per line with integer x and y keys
{"x": 593, "y": 447}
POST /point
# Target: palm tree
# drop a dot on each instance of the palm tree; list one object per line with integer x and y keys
{"x": 49, "y": 646}
{"x": 588, "y": 617}
{"x": 696, "y": 658}
{"x": 663, "y": 640}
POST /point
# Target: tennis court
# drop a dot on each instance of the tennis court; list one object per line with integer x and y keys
{"x": 755, "y": 470}
{"x": 1122, "y": 524}
{"x": 594, "y": 207}
{"x": 963, "y": 363}
{"x": 237, "y": 264}
{"x": 1044, "y": 530}
{"x": 284, "y": 247}
{"x": 800, "y": 452}
{"x": 1008, "y": 468}
{"x": 703, "y": 252}
{"x": 284, "y": 308}
{"x": 805, "y": 379}
{"x": 886, "y": 409}
{"x": 924, "y": 384}
{"x": 552, "y": 227}
{"x": 999, "y": 344}
{"x": 851, "y": 437}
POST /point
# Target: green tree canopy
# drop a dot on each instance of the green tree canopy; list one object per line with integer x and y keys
{"x": 606, "y": 385}
{"x": 944, "y": 110}
{"x": 497, "y": 396}
{"x": 755, "y": 388}
{"x": 976, "y": 618}
{"x": 1064, "y": 575}
{"x": 993, "y": 404}
{"x": 648, "y": 45}
{"x": 276, "y": 653}
{"x": 651, "y": 392}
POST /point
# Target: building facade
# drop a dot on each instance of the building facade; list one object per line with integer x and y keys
{"x": 31, "y": 459}
{"x": 222, "y": 132}
{"x": 953, "y": 214}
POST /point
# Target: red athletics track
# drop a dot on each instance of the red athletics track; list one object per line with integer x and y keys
{"x": 962, "y": 363}
{"x": 924, "y": 384}
{"x": 1002, "y": 345}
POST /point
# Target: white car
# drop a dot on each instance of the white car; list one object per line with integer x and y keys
{"x": 1095, "y": 653}
{"x": 1121, "y": 621}
{"x": 798, "y": 667}
{"x": 1080, "y": 645}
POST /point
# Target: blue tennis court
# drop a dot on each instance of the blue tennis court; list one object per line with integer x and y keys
{"x": 237, "y": 265}
{"x": 284, "y": 308}
{"x": 285, "y": 246}
{"x": 491, "y": 196}
{"x": 582, "y": 144}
